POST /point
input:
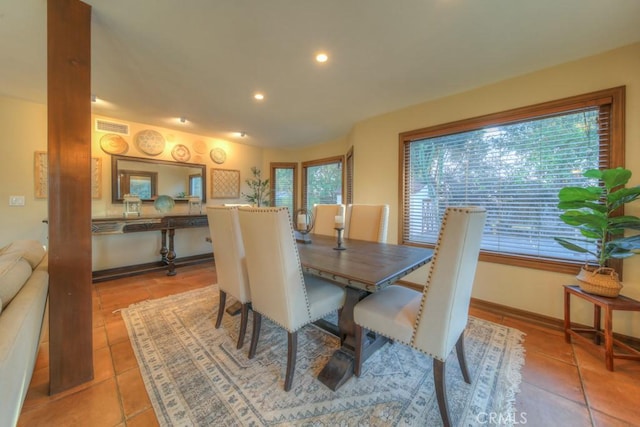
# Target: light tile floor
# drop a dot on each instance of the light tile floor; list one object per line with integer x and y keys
{"x": 562, "y": 384}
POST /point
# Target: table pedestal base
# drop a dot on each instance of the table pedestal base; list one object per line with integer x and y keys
{"x": 234, "y": 308}
{"x": 338, "y": 370}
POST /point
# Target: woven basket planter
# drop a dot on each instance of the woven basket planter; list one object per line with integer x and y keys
{"x": 601, "y": 281}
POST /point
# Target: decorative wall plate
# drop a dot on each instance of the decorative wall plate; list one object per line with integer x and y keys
{"x": 181, "y": 153}
{"x": 113, "y": 144}
{"x": 218, "y": 155}
{"x": 150, "y": 142}
{"x": 200, "y": 147}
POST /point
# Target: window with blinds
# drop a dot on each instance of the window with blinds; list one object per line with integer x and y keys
{"x": 284, "y": 184}
{"x": 513, "y": 164}
{"x": 322, "y": 181}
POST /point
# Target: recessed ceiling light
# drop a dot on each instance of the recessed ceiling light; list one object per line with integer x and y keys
{"x": 259, "y": 96}
{"x": 322, "y": 57}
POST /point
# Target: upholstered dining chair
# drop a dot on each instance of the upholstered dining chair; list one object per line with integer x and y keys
{"x": 434, "y": 320}
{"x": 279, "y": 289}
{"x": 231, "y": 269}
{"x": 367, "y": 222}
{"x": 324, "y": 218}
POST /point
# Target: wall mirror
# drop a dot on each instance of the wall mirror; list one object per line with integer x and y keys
{"x": 148, "y": 178}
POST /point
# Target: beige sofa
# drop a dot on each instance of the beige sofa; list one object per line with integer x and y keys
{"x": 24, "y": 285}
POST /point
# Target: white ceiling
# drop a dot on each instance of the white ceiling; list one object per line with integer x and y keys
{"x": 156, "y": 60}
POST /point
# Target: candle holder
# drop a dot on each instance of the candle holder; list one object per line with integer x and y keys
{"x": 340, "y": 242}
{"x": 302, "y": 225}
{"x": 132, "y": 205}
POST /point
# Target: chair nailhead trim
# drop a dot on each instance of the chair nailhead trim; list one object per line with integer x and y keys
{"x": 425, "y": 292}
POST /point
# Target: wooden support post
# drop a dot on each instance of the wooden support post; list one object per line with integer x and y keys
{"x": 69, "y": 174}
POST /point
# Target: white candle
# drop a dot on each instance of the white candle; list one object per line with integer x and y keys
{"x": 302, "y": 221}
{"x": 339, "y": 221}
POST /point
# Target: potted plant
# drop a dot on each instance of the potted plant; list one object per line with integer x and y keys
{"x": 260, "y": 191}
{"x": 591, "y": 209}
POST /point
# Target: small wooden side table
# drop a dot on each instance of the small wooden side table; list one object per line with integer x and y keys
{"x": 609, "y": 305}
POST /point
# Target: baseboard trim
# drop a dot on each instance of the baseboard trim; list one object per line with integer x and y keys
{"x": 134, "y": 270}
{"x": 529, "y": 316}
{"x": 518, "y": 314}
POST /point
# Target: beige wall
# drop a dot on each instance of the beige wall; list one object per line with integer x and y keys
{"x": 111, "y": 251}
{"x": 337, "y": 147}
{"x": 376, "y": 153}
{"x": 24, "y": 131}
{"x": 375, "y": 143}
{"x": 376, "y": 148}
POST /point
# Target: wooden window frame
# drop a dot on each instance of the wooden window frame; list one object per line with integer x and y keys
{"x": 272, "y": 176}
{"x": 320, "y": 162}
{"x": 349, "y": 166}
{"x": 615, "y": 97}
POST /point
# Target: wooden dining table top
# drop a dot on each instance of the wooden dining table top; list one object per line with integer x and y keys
{"x": 364, "y": 265}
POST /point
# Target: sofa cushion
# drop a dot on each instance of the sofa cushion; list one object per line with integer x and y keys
{"x": 14, "y": 272}
{"x": 31, "y": 250}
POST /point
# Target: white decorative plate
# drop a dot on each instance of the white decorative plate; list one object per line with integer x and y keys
{"x": 218, "y": 155}
{"x": 113, "y": 144}
{"x": 150, "y": 142}
{"x": 181, "y": 153}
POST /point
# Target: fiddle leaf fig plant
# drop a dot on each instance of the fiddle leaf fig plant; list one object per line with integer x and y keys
{"x": 591, "y": 210}
{"x": 260, "y": 191}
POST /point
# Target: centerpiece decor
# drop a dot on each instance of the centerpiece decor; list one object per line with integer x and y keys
{"x": 593, "y": 211}
{"x": 339, "y": 227}
{"x": 303, "y": 224}
{"x": 164, "y": 204}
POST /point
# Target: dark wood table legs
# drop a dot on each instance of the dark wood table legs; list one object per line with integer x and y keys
{"x": 171, "y": 255}
{"x": 599, "y": 303}
{"x": 340, "y": 366}
{"x": 168, "y": 254}
{"x": 163, "y": 250}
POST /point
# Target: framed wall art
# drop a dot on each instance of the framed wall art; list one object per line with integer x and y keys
{"x": 41, "y": 179}
{"x": 225, "y": 184}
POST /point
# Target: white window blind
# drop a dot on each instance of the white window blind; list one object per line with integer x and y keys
{"x": 283, "y": 188}
{"x": 322, "y": 183}
{"x": 514, "y": 170}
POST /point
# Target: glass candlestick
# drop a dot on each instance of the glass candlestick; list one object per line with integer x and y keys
{"x": 339, "y": 247}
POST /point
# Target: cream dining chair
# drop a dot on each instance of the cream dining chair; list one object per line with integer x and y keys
{"x": 434, "y": 320}
{"x": 231, "y": 269}
{"x": 324, "y": 217}
{"x": 279, "y": 289}
{"x": 367, "y": 222}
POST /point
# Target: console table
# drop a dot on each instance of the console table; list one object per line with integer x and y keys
{"x": 609, "y": 305}
{"x": 166, "y": 224}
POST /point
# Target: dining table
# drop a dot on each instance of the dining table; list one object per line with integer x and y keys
{"x": 362, "y": 268}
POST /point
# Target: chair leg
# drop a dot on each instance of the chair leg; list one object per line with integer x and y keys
{"x": 462, "y": 360}
{"x": 244, "y": 314}
{"x": 257, "y": 322}
{"x": 291, "y": 359}
{"x": 360, "y": 333}
{"x": 441, "y": 391}
{"x": 223, "y": 301}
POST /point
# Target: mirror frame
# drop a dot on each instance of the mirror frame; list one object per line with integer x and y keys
{"x": 114, "y": 175}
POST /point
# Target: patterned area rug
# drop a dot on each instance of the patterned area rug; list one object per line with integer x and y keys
{"x": 195, "y": 376}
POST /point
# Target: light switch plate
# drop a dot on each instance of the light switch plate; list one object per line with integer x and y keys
{"x": 16, "y": 200}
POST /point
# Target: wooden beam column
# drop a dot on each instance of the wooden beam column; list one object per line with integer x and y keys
{"x": 69, "y": 174}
